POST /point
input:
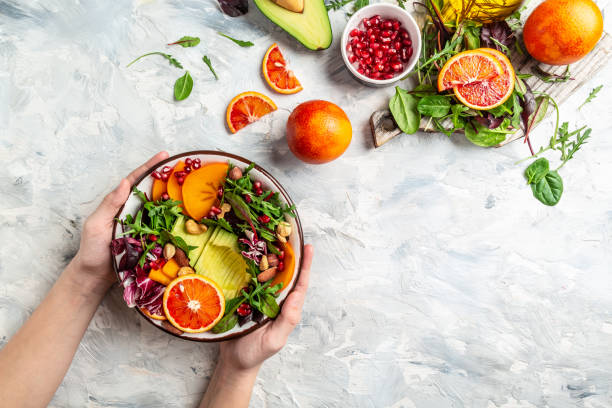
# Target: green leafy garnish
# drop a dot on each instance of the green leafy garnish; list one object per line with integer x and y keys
{"x": 187, "y": 41}
{"x": 403, "y": 107}
{"x": 170, "y": 58}
{"x": 207, "y": 62}
{"x": 337, "y": 4}
{"x": 549, "y": 189}
{"x": 239, "y": 42}
{"x": 183, "y": 87}
{"x": 436, "y": 106}
{"x": 591, "y": 96}
{"x": 537, "y": 170}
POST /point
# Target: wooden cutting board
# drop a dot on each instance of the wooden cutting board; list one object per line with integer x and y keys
{"x": 384, "y": 128}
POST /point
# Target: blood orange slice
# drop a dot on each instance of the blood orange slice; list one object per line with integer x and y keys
{"x": 247, "y": 108}
{"x": 492, "y": 93}
{"x": 468, "y": 67}
{"x": 193, "y": 303}
{"x": 275, "y": 71}
{"x": 201, "y": 187}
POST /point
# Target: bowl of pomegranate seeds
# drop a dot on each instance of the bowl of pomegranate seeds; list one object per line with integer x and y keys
{"x": 381, "y": 44}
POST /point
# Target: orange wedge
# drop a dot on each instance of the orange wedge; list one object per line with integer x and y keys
{"x": 275, "y": 71}
{"x": 481, "y": 79}
{"x": 193, "y": 303}
{"x": 247, "y": 108}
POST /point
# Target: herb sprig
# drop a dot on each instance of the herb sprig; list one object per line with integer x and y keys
{"x": 239, "y": 42}
{"x": 171, "y": 60}
{"x": 591, "y": 96}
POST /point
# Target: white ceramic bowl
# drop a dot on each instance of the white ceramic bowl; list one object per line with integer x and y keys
{"x": 385, "y": 11}
{"x": 133, "y": 204}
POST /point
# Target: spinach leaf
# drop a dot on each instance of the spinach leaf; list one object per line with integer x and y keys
{"x": 436, "y": 106}
{"x": 239, "y": 42}
{"x": 229, "y": 319}
{"x": 458, "y": 120}
{"x": 403, "y": 107}
{"x": 207, "y": 62}
{"x": 484, "y": 137}
{"x": 187, "y": 41}
{"x": 183, "y": 87}
{"x": 537, "y": 170}
{"x": 549, "y": 189}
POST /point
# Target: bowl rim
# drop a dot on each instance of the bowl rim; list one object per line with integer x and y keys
{"x": 280, "y": 189}
{"x": 416, "y": 45}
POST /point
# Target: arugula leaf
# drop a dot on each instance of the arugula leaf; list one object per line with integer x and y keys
{"x": 552, "y": 78}
{"x": 549, "y": 189}
{"x": 220, "y": 222}
{"x": 207, "y": 62}
{"x": 537, "y": 170}
{"x": 183, "y": 87}
{"x": 170, "y": 58}
{"x": 336, "y": 4}
{"x": 436, "y": 106}
{"x": 187, "y": 41}
{"x": 176, "y": 241}
{"x": 591, "y": 96}
{"x": 358, "y": 5}
{"x": 239, "y": 42}
{"x": 403, "y": 107}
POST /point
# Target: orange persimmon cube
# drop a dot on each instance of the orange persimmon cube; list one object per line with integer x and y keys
{"x": 158, "y": 276}
{"x": 170, "y": 269}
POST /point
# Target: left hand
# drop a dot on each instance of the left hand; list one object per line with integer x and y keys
{"x": 94, "y": 257}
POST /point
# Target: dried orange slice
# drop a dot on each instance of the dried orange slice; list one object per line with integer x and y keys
{"x": 275, "y": 71}
{"x": 481, "y": 79}
{"x": 193, "y": 303}
{"x": 492, "y": 93}
{"x": 247, "y": 108}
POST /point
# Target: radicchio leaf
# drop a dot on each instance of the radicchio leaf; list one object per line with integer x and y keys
{"x": 497, "y": 35}
{"x": 234, "y": 8}
{"x": 140, "y": 291}
{"x": 256, "y": 247}
{"x": 490, "y": 120}
{"x": 529, "y": 105}
{"x": 132, "y": 250}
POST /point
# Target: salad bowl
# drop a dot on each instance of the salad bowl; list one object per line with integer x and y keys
{"x": 145, "y": 289}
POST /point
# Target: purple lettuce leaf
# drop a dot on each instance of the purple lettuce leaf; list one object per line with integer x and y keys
{"x": 234, "y": 8}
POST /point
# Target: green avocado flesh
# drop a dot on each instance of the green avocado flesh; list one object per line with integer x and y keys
{"x": 311, "y": 27}
{"x": 222, "y": 262}
{"x": 199, "y": 241}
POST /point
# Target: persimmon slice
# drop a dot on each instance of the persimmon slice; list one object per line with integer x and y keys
{"x": 193, "y": 303}
{"x": 200, "y": 188}
{"x": 286, "y": 274}
{"x": 276, "y": 73}
{"x": 246, "y": 108}
{"x": 174, "y": 188}
{"x": 159, "y": 188}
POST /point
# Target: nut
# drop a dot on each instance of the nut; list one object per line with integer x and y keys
{"x": 185, "y": 270}
{"x": 281, "y": 238}
{"x": 224, "y": 209}
{"x": 181, "y": 258}
{"x": 263, "y": 264}
{"x": 169, "y": 251}
{"x": 235, "y": 173}
{"x": 194, "y": 228}
{"x": 267, "y": 275}
{"x": 283, "y": 229}
{"x": 272, "y": 260}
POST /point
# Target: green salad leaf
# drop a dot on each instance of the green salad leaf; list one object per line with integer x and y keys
{"x": 549, "y": 189}
{"x": 183, "y": 87}
{"x": 403, "y": 107}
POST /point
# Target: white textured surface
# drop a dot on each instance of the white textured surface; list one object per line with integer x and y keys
{"x": 438, "y": 280}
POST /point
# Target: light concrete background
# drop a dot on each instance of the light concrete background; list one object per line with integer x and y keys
{"x": 438, "y": 280}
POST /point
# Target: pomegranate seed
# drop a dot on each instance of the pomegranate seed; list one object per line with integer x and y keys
{"x": 361, "y": 71}
{"x": 212, "y": 215}
{"x": 258, "y": 192}
{"x": 375, "y": 75}
{"x": 375, "y": 21}
{"x": 152, "y": 237}
{"x": 244, "y": 310}
{"x": 248, "y": 198}
{"x": 354, "y": 32}
{"x": 392, "y": 51}
{"x": 197, "y": 160}
{"x": 216, "y": 210}
{"x": 375, "y": 45}
{"x": 385, "y": 40}
{"x": 385, "y": 34}
{"x": 410, "y": 52}
{"x": 404, "y": 34}
{"x": 384, "y": 47}
{"x": 396, "y": 25}
{"x": 165, "y": 177}
{"x": 387, "y": 25}
{"x": 397, "y": 66}
{"x": 180, "y": 181}
{"x": 388, "y": 76}
{"x": 368, "y": 72}
{"x": 196, "y": 166}
{"x": 156, "y": 175}
{"x": 188, "y": 161}
{"x": 379, "y": 54}
{"x": 404, "y": 55}
{"x": 365, "y": 54}
{"x": 147, "y": 266}
{"x": 359, "y": 45}
{"x": 257, "y": 185}
{"x": 380, "y": 66}
{"x": 368, "y": 61}
{"x": 352, "y": 58}
{"x": 264, "y": 219}
{"x": 281, "y": 266}
{"x": 220, "y": 193}
{"x": 407, "y": 43}
{"x": 166, "y": 169}
{"x": 397, "y": 45}
{"x": 394, "y": 35}
{"x": 369, "y": 32}
{"x": 366, "y": 23}
{"x": 187, "y": 169}
{"x": 165, "y": 197}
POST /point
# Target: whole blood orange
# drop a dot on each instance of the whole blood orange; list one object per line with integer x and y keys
{"x": 193, "y": 303}
{"x": 561, "y": 32}
{"x": 318, "y": 131}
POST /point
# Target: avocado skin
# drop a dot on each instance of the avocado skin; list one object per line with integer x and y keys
{"x": 296, "y": 24}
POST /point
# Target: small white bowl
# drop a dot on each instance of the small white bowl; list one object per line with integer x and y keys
{"x": 385, "y": 11}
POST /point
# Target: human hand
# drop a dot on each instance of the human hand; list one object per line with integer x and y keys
{"x": 93, "y": 264}
{"x": 249, "y": 352}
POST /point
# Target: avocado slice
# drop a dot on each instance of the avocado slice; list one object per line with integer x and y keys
{"x": 310, "y": 27}
{"x": 199, "y": 241}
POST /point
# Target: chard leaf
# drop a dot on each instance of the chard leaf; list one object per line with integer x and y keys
{"x": 187, "y": 41}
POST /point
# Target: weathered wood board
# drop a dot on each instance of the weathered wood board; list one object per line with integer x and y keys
{"x": 384, "y": 128}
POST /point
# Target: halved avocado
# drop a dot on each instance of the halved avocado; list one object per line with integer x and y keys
{"x": 310, "y": 27}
